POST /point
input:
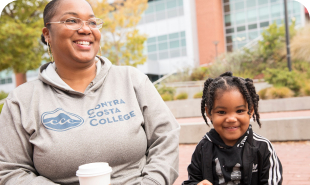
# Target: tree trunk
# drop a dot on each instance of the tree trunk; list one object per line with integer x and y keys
{"x": 20, "y": 78}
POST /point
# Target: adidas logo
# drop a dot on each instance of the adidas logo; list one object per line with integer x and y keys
{"x": 254, "y": 168}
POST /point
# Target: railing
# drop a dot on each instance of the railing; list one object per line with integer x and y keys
{"x": 162, "y": 78}
{"x": 253, "y": 43}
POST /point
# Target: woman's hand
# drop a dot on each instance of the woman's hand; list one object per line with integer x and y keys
{"x": 204, "y": 182}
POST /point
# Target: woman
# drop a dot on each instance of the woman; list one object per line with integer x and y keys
{"x": 82, "y": 109}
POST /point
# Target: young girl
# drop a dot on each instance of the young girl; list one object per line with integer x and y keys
{"x": 232, "y": 153}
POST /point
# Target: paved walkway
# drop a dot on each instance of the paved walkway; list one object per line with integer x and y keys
{"x": 294, "y": 156}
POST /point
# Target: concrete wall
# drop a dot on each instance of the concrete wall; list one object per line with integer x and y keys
{"x": 289, "y": 129}
{"x": 286, "y": 104}
{"x": 191, "y": 107}
{"x": 191, "y": 91}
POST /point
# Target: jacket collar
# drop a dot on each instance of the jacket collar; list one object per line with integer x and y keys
{"x": 250, "y": 136}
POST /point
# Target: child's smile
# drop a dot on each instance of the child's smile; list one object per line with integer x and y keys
{"x": 229, "y": 116}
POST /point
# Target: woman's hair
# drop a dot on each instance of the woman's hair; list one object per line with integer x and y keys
{"x": 226, "y": 81}
{"x": 49, "y": 12}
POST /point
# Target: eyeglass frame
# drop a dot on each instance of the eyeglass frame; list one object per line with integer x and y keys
{"x": 64, "y": 22}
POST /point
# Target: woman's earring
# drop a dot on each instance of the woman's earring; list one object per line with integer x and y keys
{"x": 49, "y": 52}
{"x": 99, "y": 51}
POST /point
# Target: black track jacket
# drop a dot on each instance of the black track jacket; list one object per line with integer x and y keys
{"x": 261, "y": 165}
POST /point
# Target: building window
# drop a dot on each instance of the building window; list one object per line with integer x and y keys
{"x": 229, "y": 39}
{"x": 227, "y": 8}
{"x": 162, "y": 9}
{"x": 2, "y": 81}
{"x": 239, "y": 6}
{"x": 264, "y": 24}
{"x": 253, "y": 35}
{"x": 7, "y": 80}
{"x": 166, "y": 46}
{"x": 251, "y": 17}
{"x": 261, "y": 2}
{"x": 240, "y": 28}
{"x": 229, "y": 48}
{"x": 6, "y": 77}
{"x": 278, "y": 21}
{"x": 276, "y": 10}
{"x": 240, "y": 17}
{"x": 252, "y": 26}
{"x": 229, "y": 30}
{"x": 264, "y": 13}
{"x": 228, "y": 20}
{"x": 250, "y": 3}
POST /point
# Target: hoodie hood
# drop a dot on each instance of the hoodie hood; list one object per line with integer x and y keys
{"x": 49, "y": 76}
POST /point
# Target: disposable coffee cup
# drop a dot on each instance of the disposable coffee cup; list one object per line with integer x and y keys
{"x": 94, "y": 174}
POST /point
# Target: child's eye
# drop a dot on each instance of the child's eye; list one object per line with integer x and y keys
{"x": 221, "y": 112}
{"x": 240, "y": 111}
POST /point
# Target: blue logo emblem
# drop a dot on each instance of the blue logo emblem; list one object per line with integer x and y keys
{"x": 61, "y": 120}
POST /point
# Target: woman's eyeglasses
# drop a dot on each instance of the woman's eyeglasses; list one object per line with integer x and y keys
{"x": 76, "y": 23}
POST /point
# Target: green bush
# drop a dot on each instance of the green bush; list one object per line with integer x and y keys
{"x": 305, "y": 90}
{"x": 198, "y": 95}
{"x": 279, "y": 92}
{"x": 166, "y": 97}
{"x": 199, "y": 73}
{"x": 182, "y": 96}
{"x": 262, "y": 94}
{"x": 166, "y": 90}
{"x": 3, "y": 95}
{"x": 1, "y": 106}
{"x": 284, "y": 78}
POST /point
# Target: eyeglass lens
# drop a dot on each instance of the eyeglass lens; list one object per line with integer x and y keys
{"x": 76, "y": 23}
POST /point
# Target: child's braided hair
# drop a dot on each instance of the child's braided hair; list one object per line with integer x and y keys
{"x": 227, "y": 81}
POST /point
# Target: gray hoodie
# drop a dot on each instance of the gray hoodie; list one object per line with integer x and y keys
{"x": 47, "y": 130}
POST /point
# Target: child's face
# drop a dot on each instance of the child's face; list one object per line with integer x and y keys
{"x": 229, "y": 116}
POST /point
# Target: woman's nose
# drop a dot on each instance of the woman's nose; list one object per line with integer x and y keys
{"x": 85, "y": 28}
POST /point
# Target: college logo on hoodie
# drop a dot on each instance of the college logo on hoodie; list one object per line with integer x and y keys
{"x": 61, "y": 120}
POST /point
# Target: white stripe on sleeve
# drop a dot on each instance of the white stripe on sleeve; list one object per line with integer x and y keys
{"x": 274, "y": 169}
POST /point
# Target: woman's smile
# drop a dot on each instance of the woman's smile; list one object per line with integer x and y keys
{"x": 83, "y": 44}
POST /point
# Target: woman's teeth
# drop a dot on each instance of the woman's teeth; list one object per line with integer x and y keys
{"x": 83, "y": 43}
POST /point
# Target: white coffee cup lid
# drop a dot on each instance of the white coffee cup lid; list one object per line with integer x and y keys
{"x": 93, "y": 169}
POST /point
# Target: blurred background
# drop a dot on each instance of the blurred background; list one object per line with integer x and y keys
{"x": 176, "y": 41}
{"x": 178, "y": 44}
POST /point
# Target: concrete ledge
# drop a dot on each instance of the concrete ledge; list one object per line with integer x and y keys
{"x": 290, "y": 129}
{"x": 285, "y": 104}
{"x": 191, "y": 107}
